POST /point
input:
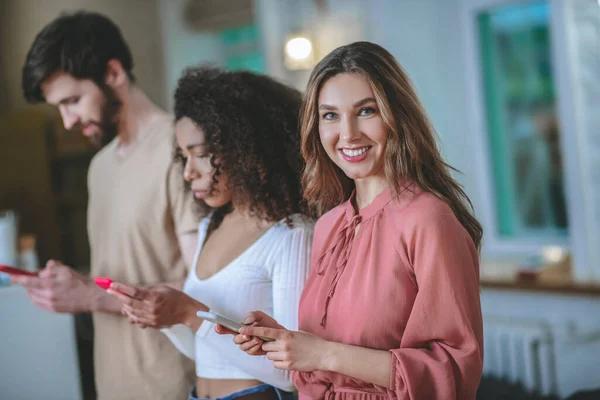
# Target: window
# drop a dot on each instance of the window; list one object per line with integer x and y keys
{"x": 241, "y": 47}
{"x": 521, "y": 119}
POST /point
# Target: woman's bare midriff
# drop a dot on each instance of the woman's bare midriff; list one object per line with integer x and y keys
{"x": 215, "y": 388}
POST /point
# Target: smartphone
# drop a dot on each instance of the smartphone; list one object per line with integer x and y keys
{"x": 16, "y": 271}
{"x": 104, "y": 283}
{"x": 226, "y": 322}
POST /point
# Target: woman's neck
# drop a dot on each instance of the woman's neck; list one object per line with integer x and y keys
{"x": 367, "y": 189}
{"x": 244, "y": 214}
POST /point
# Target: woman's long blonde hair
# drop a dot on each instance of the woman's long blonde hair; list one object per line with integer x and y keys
{"x": 412, "y": 154}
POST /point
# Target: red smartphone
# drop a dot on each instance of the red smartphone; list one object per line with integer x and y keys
{"x": 16, "y": 271}
{"x": 104, "y": 283}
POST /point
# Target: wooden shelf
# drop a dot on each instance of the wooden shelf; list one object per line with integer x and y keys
{"x": 554, "y": 279}
{"x": 588, "y": 289}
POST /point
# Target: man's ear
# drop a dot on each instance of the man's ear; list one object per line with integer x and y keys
{"x": 115, "y": 75}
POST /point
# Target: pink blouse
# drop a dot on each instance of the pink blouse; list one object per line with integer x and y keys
{"x": 407, "y": 283}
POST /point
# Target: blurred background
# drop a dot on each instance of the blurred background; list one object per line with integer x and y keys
{"x": 512, "y": 87}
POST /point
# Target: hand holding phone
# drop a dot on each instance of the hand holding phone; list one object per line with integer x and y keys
{"x": 13, "y": 271}
{"x": 226, "y": 322}
{"x": 104, "y": 283}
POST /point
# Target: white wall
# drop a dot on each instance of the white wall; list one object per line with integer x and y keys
{"x": 579, "y": 101}
{"x": 424, "y": 37}
{"x": 183, "y": 47}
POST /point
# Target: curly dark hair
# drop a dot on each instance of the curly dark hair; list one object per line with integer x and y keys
{"x": 80, "y": 44}
{"x": 250, "y": 123}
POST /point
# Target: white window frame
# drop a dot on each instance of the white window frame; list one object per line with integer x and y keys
{"x": 494, "y": 244}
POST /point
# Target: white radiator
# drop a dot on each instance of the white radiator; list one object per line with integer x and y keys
{"x": 520, "y": 352}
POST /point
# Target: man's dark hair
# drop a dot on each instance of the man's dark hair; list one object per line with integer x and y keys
{"x": 80, "y": 44}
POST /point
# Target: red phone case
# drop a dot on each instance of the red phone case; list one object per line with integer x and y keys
{"x": 104, "y": 283}
{"x": 16, "y": 271}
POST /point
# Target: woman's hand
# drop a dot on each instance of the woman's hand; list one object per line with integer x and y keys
{"x": 293, "y": 350}
{"x": 157, "y": 307}
{"x": 249, "y": 344}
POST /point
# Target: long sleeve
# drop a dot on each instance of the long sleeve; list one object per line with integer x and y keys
{"x": 440, "y": 356}
{"x": 182, "y": 337}
{"x": 288, "y": 275}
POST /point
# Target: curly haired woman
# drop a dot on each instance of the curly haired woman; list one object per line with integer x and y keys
{"x": 237, "y": 135}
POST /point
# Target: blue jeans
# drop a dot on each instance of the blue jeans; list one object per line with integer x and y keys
{"x": 257, "y": 389}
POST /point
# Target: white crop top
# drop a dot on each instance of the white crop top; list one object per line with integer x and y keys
{"x": 268, "y": 276}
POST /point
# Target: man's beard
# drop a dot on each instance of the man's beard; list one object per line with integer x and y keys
{"x": 108, "y": 125}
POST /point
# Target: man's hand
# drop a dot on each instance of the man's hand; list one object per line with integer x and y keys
{"x": 60, "y": 289}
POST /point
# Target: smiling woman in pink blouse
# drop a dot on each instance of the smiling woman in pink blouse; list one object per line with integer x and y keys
{"x": 391, "y": 307}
